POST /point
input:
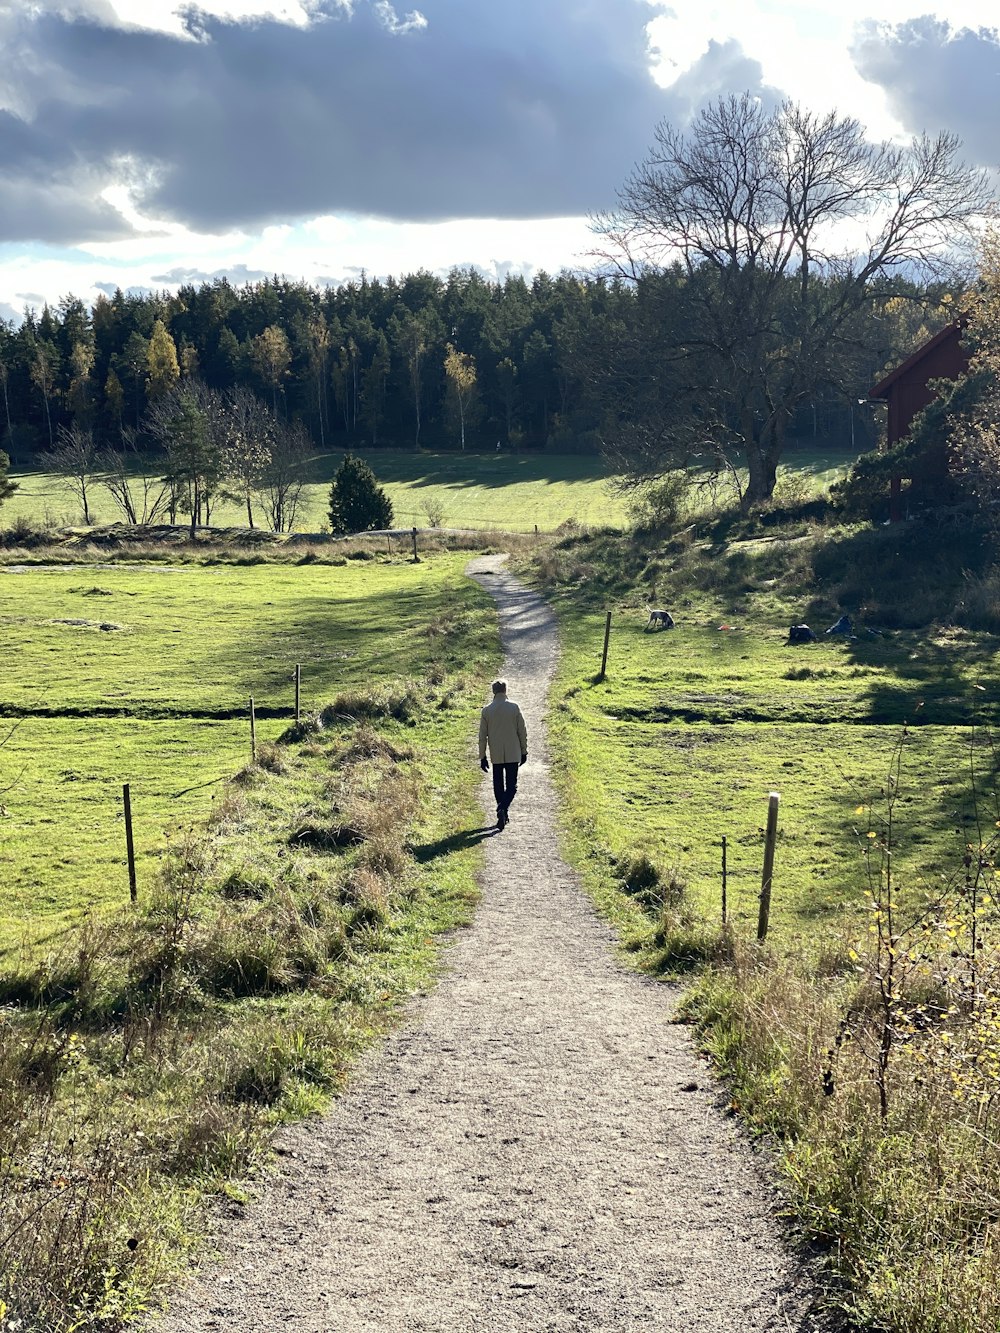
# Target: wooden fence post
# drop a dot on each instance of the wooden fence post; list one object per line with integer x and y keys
{"x": 724, "y": 877}
{"x": 607, "y": 640}
{"x": 298, "y": 693}
{"x": 129, "y": 842}
{"x": 416, "y": 558}
{"x": 253, "y": 733}
{"x": 770, "y": 838}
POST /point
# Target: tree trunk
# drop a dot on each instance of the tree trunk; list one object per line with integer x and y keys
{"x": 249, "y": 511}
{"x": 763, "y": 455}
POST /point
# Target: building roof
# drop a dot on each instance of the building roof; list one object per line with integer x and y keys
{"x": 950, "y": 331}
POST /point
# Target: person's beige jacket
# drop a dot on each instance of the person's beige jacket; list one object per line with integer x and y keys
{"x": 502, "y": 725}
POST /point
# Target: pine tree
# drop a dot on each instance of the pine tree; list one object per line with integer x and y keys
{"x": 357, "y": 502}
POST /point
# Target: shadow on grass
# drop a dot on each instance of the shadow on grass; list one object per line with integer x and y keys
{"x": 457, "y": 842}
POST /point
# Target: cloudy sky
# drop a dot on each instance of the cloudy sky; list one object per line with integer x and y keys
{"x": 145, "y": 142}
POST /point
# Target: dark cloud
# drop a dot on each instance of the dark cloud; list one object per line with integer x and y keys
{"x": 469, "y": 108}
{"x": 938, "y": 78}
{"x": 48, "y": 194}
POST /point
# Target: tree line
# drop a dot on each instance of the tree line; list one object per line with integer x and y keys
{"x": 418, "y": 361}
{"x": 722, "y": 326}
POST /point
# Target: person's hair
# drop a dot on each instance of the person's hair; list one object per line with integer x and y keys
{"x": 499, "y": 687}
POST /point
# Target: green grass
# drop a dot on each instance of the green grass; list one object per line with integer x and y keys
{"x": 162, "y": 702}
{"x": 679, "y": 747}
{"x": 697, "y": 725}
{"x": 148, "y": 1060}
{"x": 510, "y": 492}
{"x": 146, "y": 1052}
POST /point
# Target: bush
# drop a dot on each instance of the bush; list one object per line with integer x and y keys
{"x": 434, "y": 509}
{"x": 660, "y": 504}
{"x": 357, "y": 502}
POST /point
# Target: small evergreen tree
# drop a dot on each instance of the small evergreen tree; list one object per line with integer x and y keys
{"x": 357, "y": 502}
{"x": 7, "y": 487}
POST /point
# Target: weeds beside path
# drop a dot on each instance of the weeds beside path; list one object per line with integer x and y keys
{"x": 538, "y": 1148}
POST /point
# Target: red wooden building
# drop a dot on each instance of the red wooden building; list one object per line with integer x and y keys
{"x": 907, "y": 391}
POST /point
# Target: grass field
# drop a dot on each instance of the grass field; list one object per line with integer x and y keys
{"x": 161, "y": 700}
{"x": 510, "y": 492}
{"x": 286, "y": 907}
{"x": 863, "y": 1035}
{"x": 697, "y": 725}
{"x": 506, "y": 491}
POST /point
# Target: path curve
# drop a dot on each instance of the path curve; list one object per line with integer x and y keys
{"x": 522, "y": 1154}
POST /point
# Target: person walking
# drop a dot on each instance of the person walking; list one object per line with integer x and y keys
{"x": 502, "y": 729}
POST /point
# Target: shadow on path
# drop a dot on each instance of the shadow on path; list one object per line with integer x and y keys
{"x": 457, "y": 842}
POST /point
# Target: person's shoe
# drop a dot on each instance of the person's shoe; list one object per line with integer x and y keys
{"x": 502, "y": 819}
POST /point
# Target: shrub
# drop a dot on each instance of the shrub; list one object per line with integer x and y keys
{"x": 357, "y": 502}
{"x": 434, "y": 509}
{"x": 660, "y": 504}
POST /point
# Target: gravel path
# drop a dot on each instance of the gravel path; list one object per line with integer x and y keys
{"x": 538, "y": 1148}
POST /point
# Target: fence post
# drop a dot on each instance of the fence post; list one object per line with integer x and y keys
{"x": 770, "y": 838}
{"x": 724, "y": 877}
{"x": 416, "y": 558}
{"x": 253, "y": 733}
{"x": 298, "y": 693}
{"x": 607, "y": 639}
{"x": 129, "y": 842}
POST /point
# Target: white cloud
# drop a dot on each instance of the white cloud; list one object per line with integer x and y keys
{"x": 324, "y": 250}
{"x": 805, "y": 49}
{"x": 390, "y": 20}
{"x": 168, "y": 15}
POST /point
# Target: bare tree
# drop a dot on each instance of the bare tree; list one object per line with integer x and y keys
{"x": 248, "y": 432}
{"x": 283, "y": 480}
{"x": 74, "y": 458}
{"x": 785, "y": 227}
{"x": 141, "y": 498}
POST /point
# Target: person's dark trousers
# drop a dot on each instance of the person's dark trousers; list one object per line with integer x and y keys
{"x": 504, "y": 785}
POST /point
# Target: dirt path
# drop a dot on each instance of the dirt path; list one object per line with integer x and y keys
{"x": 525, "y": 1153}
